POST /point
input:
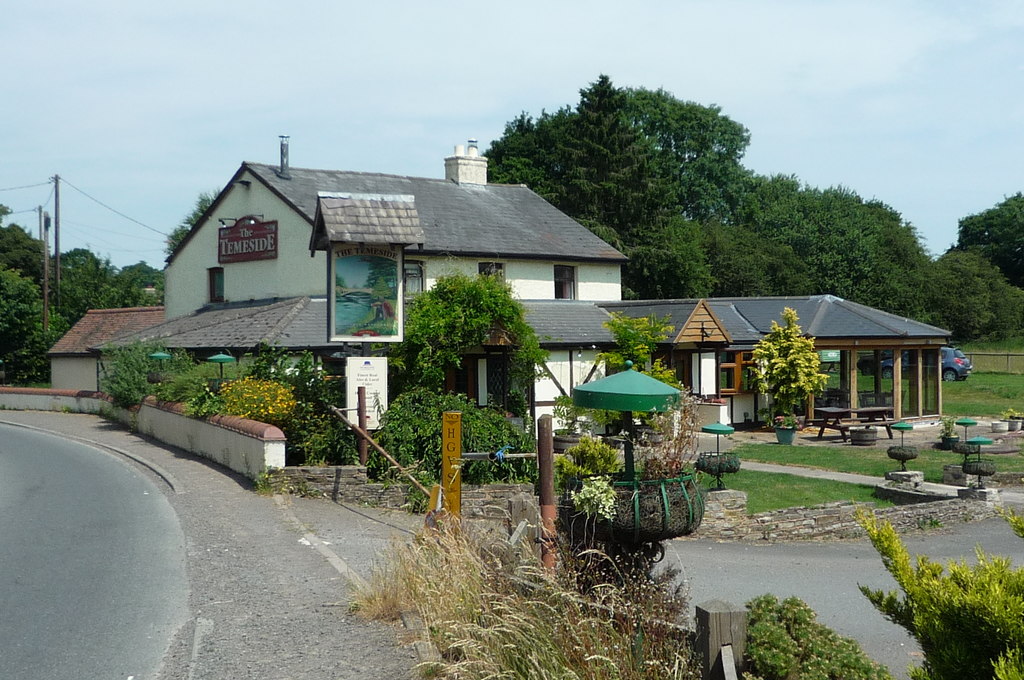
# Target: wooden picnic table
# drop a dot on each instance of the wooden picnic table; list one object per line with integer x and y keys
{"x": 832, "y": 417}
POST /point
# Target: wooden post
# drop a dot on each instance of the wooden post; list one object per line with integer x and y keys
{"x": 361, "y": 444}
{"x": 546, "y": 473}
{"x": 720, "y": 623}
{"x": 451, "y": 462}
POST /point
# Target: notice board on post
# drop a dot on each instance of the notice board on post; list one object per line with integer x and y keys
{"x": 371, "y": 373}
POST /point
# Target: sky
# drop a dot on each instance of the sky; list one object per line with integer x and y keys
{"x": 139, "y": 106}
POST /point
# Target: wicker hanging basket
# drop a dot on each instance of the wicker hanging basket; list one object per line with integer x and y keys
{"x": 646, "y": 510}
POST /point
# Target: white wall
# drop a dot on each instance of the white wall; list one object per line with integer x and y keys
{"x": 293, "y": 273}
{"x": 532, "y": 279}
{"x": 705, "y": 373}
{"x": 73, "y": 373}
{"x": 238, "y": 448}
{"x": 570, "y": 370}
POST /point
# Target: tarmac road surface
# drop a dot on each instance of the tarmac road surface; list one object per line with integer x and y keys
{"x": 826, "y": 575}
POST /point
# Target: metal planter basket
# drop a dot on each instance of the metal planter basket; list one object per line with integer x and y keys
{"x": 718, "y": 464}
{"x": 980, "y": 468}
{"x": 902, "y": 454}
{"x": 646, "y": 510}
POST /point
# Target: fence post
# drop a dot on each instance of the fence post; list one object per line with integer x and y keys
{"x": 721, "y": 623}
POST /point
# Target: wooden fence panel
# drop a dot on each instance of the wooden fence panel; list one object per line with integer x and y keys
{"x": 997, "y": 362}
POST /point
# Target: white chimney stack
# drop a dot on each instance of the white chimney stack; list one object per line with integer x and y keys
{"x": 466, "y": 167}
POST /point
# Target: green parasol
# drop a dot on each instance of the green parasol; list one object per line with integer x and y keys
{"x": 627, "y": 391}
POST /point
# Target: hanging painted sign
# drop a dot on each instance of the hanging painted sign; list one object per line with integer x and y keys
{"x": 366, "y": 293}
{"x": 246, "y": 240}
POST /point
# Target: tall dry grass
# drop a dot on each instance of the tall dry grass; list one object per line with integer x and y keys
{"x": 495, "y": 613}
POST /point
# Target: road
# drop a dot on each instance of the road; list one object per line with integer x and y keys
{"x": 264, "y": 597}
{"x": 826, "y": 574}
{"x": 92, "y": 563}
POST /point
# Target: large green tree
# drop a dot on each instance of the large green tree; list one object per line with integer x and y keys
{"x": 178, "y": 234}
{"x": 23, "y": 343}
{"x": 855, "y": 249}
{"x": 89, "y": 282}
{"x": 969, "y": 296}
{"x": 21, "y": 252}
{"x": 998, "y": 234}
{"x": 696, "y": 148}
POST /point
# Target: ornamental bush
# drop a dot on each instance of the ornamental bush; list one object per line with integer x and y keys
{"x": 785, "y": 641}
{"x": 787, "y": 367}
{"x": 410, "y": 431}
{"x": 264, "y": 400}
{"x": 968, "y": 619}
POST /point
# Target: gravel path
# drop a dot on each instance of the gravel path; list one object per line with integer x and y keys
{"x": 266, "y": 600}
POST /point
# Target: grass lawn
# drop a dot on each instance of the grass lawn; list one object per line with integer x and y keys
{"x": 863, "y": 460}
{"x": 983, "y": 394}
{"x": 768, "y": 491}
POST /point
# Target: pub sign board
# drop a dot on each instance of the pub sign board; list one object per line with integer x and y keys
{"x": 365, "y": 293}
{"x": 246, "y": 240}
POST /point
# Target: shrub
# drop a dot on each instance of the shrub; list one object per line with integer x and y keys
{"x": 590, "y": 457}
{"x": 968, "y": 619}
{"x": 411, "y": 432}
{"x": 126, "y": 370}
{"x": 784, "y": 640}
{"x": 263, "y": 400}
{"x": 186, "y": 380}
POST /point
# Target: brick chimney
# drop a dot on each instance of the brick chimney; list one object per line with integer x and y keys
{"x": 466, "y": 166}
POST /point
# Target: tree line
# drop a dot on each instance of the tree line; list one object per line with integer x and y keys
{"x": 87, "y": 282}
{"x": 662, "y": 180}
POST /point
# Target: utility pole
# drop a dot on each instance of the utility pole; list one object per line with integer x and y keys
{"x": 44, "y": 236}
{"x": 56, "y": 235}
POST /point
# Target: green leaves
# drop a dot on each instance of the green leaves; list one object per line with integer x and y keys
{"x": 459, "y": 314}
{"x": 787, "y": 366}
{"x": 968, "y": 619}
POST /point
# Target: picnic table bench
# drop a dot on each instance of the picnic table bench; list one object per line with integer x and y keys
{"x": 832, "y": 418}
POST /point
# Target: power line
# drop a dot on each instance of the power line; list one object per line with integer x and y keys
{"x": 27, "y": 186}
{"x": 113, "y": 210}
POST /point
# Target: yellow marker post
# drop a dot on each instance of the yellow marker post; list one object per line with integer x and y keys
{"x": 451, "y": 462}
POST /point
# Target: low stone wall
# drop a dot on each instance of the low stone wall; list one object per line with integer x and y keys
{"x": 954, "y": 476}
{"x": 39, "y": 399}
{"x": 725, "y": 518}
{"x": 245, "y": 446}
{"x": 348, "y": 484}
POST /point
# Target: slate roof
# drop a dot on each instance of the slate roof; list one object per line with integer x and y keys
{"x": 297, "y": 323}
{"x": 491, "y": 220}
{"x": 365, "y": 218}
{"x": 568, "y": 322}
{"x": 825, "y": 317}
{"x": 99, "y": 326}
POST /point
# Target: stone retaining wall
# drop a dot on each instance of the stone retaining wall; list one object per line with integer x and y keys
{"x": 725, "y": 518}
{"x": 954, "y": 476}
{"x": 348, "y": 484}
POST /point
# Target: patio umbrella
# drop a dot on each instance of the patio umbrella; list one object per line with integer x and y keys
{"x": 627, "y": 391}
{"x": 222, "y": 359}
